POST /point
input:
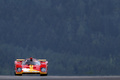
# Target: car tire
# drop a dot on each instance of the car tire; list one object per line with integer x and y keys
{"x": 43, "y": 74}
{"x": 17, "y": 74}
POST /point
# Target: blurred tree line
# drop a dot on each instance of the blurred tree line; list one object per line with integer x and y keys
{"x": 77, "y": 37}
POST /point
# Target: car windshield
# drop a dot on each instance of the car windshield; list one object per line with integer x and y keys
{"x": 28, "y": 62}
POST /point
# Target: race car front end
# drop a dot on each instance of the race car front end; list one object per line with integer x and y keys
{"x": 31, "y": 67}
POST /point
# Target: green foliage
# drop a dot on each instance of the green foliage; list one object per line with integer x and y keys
{"x": 77, "y": 37}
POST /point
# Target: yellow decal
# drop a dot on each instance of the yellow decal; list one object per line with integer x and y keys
{"x": 41, "y": 59}
{"x": 31, "y": 69}
{"x": 19, "y": 60}
{"x": 31, "y": 66}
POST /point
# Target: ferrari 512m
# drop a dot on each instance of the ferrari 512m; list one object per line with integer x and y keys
{"x": 31, "y": 66}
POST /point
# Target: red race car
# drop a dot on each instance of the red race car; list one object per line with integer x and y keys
{"x": 31, "y": 66}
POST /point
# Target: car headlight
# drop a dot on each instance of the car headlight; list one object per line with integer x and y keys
{"x": 19, "y": 69}
{"x": 43, "y": 69}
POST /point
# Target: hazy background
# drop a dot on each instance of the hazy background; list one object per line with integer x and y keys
{"x": 77, "y": 37}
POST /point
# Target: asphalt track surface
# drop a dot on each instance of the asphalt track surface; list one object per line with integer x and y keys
{"x": 59, "y": 77}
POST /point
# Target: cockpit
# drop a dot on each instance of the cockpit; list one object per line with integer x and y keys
{"x": 30, "y": 62}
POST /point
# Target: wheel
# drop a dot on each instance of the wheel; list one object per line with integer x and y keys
{"x": 17, "y": 74}
{"x": 43, "y": 74}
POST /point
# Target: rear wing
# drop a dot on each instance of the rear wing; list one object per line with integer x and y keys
{"x": 42, "y": 60}
{"x": 20, "y": 60}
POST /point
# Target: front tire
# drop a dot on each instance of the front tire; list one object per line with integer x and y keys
{"x": 43, "y": 74}
{"x": 17, "y": 74}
